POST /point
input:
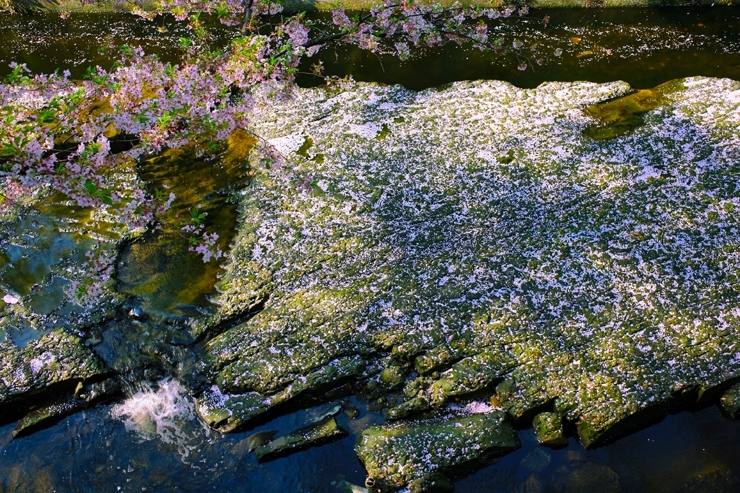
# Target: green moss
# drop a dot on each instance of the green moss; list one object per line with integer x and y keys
{"x": 407, "y": 453}
{"x": 548, "y": 430}
{"x": 590, "y": 279}
{"x": 303, "y": 150}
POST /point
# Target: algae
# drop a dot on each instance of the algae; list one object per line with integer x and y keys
{"x": 584, "y": 278}
{"x": 419, "y": 453}
{"x": 323, "y": 431}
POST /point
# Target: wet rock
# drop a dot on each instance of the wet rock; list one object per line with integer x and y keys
{"x": 229, "y": 412}
{"x": 407, "y": 408}
{"x": 548, "y": 429}
{"x": 730, "y": 401}
{"x": 590, "y": 477}
{"x": 393, "y": 375}
{"x": 613, "y": 419}
{"x": 417, "y": 453}
{"x": 522, "y": 401}
{"x": 95, "y": 391}
{"x": 56, "y": 362}
{"x": 536, "y": 460}
{"x": 324, "y": 431}
{"x": 479, "y": 232}
{"x": 435, "y": 359}
{"x": 322, "y": 414}
{"x": 255, "y": 440}
{"x": 351, "y": 411}
{"x": 472, "y": 374}
{"x": 48, "y": 414}
{"x": 85, "y": 395}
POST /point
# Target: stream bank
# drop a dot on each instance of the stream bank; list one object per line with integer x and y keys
{"x": 78, "y": 6}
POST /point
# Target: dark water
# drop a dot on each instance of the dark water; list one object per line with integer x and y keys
{"x": 92, "y": 451}
{"x": 644, "y": 47}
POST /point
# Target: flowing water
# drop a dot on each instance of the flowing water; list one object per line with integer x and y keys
{"x": 151, "y": 439}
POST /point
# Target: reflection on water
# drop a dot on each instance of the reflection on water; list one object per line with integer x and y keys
{"x": 166, "y": 279}
{"x": 644, "y": 47}
{"x": 42, "y": 252}
{"x": 45, "y": 42}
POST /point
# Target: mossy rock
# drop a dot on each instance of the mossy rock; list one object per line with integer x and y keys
{"x": 416, "y": 453}
{"x": 593, "y": 279}
{"x": 314, "y": 434}
{"x": 730, "y": 402}
{"x": 548, "y": 430}
{"x": 55, "y": 362}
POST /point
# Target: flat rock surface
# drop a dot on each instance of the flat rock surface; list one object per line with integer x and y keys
{"x": 481, "y": 233}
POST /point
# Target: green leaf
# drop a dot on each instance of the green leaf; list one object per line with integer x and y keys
{"x": 105, "y": 197}
{"x": 47, "y": 116}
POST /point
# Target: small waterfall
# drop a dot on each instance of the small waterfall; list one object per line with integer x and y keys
{"x": 163, "y": 411}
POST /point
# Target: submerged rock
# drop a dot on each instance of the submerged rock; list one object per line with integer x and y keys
{"x": 419, "y": 453}
{"x": 590, "y": 477}
{"x": 730, "y": 401}
{"x": 259, "y": 439}
{"x": 316, "y": 433}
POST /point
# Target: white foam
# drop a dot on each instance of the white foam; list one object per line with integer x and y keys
{"x": 165, "y": 412}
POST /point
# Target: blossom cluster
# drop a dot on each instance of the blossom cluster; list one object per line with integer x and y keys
{"x": 395, "y": 27}
{"x": 89, "y": 289}
{"x": 70, "y": 136}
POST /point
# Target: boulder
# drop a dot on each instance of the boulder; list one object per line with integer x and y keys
{"x": 418, "y": 454}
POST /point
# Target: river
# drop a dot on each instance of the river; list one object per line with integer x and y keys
{"x": 162, "y": 446}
